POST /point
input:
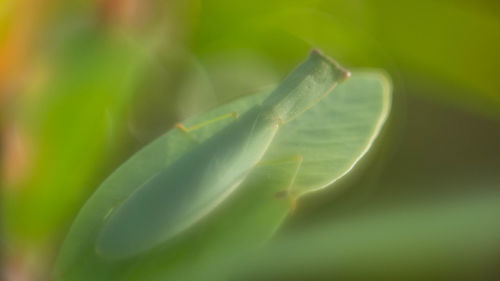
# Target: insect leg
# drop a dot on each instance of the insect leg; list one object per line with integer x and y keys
{"x": 185, "y": 129}
{"x": 287, "y": 192}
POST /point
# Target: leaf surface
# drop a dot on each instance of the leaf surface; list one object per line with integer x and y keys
{"x": 356, "y": 110}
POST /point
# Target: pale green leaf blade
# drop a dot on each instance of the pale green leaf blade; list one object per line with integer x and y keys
{"x": 252, "y": 215}
{"x": 336, "y": 133}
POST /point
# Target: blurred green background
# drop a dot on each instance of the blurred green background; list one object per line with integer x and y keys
{"x": 84, "y": 84}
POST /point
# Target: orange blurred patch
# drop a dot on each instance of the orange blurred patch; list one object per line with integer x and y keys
{"x": 15, "y": 153}
{"x": 16, "y": 43}
{"x": 121, "y": 12}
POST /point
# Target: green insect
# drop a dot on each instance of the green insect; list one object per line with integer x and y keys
{"x": 203, "y": 177}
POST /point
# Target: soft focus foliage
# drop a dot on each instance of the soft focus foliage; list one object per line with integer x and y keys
{"x": 85, "y": 84}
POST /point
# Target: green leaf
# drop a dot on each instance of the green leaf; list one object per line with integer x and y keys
{"x": 357, "y": 108}
{"x": 70, "y": 120}
{"x": 453, "y": 238}
{"x": 336, "y": 133}
{"x": 421, "y": 53}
